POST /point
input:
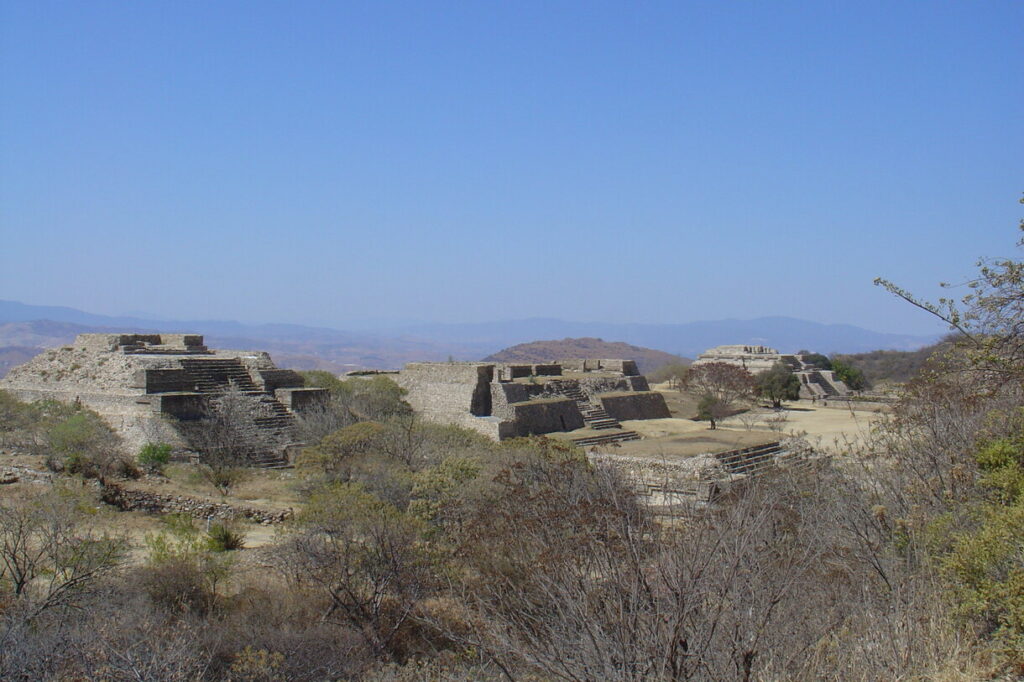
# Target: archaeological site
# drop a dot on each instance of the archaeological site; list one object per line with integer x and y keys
{"x": 150, "y": 387}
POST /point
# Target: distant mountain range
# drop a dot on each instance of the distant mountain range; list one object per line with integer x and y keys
{"x": 689, "y": 339}
{"x": 302, "y": 347}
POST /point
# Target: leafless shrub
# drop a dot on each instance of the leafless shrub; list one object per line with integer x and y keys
{"x": 227, "y": 437}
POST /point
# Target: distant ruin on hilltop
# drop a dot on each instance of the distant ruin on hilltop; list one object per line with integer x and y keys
{"x": 815, "y": 383}
{"x": 148, "y": 386}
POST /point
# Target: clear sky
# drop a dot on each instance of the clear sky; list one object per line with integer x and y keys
{"x": 330, "y": 162}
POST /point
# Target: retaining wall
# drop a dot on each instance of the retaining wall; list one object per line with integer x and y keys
{"x": 624, "y": 406}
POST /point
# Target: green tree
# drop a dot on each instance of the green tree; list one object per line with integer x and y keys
{"x": 374, "y": 398}
{"x": 815, "y": 359}
{"x": 335, "y": 454}
{"x": 778, "y": 384}
{"x": 848, "y": 374}
{"x": 959, "y": 433}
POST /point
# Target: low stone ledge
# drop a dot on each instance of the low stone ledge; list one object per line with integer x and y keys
{"x": 126, "y": 499}
{"x": 13, "y": 474}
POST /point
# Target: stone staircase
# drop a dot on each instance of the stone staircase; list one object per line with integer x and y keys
{"x": 794, "y": 363}
{"x": 826, "y": 387}
{"x": 273, "y": 425}
{"x": 216, "y": 375}
{"x": 594, "y": 416}
{"x": 753, "y": 460}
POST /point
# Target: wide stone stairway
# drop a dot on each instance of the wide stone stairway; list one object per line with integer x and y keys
{"x": 815, "y": 378}
{"x": 273, "y": 425}
{"x": 597, "y": 418}
{"x": 216, "y": 375}
{"x": 594, "y": 416}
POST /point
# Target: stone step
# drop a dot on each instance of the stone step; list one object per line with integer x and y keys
{"x": 750, "y": 460}
{"x": 605, "y": 439}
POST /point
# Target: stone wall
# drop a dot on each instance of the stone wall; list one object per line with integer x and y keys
{"x": 626, "y": 406}
{"x": 272, "y": 379}
{"x": 446, "y": 389}
{"x": 162, "y": 380}
{"x": 302, "y": 399}
{"x": 127, "y": 499}
{"x": 545, "y": 416}
{"x": 597, "y": 385}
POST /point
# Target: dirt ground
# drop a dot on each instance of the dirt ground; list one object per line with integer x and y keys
{"x": 832, "y": 429}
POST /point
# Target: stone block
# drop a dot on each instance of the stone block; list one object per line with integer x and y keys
{"x": 181, "y": 340}
{"x": 519, "y": 371}
{"x": 624, "y": 406}
{"x": 163, "y": 380}
{"x": 182, "y": 406}
{"x": 546, "y": 416}
{"x": 300, "y": 399}
{"x": 274, "y": 379}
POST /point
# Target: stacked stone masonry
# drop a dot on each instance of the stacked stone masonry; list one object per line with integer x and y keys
{"x": 147, "y": 386}
{"x": 511, "y": 400}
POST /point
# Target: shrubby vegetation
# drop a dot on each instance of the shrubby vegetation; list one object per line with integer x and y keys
{"x": 848, "y": 374}
{"x": 74, "y": 439}
{"x": 895, "y": 366}
{"x": 153, "y": 457}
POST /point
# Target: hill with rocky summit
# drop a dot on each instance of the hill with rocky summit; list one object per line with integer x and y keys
{"x": 647, "y": 359}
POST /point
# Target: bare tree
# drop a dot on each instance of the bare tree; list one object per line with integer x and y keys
{"x": 49, "y": 560}
{"x": 228, "y": 436}
{"x": 365, "y": 556}
{"x": 720, "y": 387}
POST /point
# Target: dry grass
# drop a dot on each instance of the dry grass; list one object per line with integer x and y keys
{"x": 266, "y": 488}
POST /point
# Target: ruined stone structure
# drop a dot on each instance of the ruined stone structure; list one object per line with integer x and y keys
{"x": 146, "y": 386}
{"x": 814, "y": 383}
{"x": 510, "y": 400}
{"x": 754, "y": 359}
{"x": 703, "y": 478}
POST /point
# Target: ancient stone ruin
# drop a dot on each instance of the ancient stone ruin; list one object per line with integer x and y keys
{"x": 509, "y": 400}
{"x": 814, "y": 383}
{"x": 150, "y": 387}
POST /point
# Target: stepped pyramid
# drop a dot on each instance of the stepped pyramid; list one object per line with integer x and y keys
{"x": 157, "y": 387}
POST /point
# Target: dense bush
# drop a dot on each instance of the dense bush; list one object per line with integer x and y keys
{"x": 153, "y": 457}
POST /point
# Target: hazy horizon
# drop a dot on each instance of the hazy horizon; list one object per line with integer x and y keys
{"x": 351, "y": 165}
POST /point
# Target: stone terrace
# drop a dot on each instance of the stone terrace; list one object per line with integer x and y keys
{"x": 511, "y": 400}
{"x": 146, "y": 385}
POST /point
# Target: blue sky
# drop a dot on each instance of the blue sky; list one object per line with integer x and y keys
{"x": 338, "y": 162}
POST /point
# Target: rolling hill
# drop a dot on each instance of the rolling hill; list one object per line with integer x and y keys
{"x": 647, "y": 359}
